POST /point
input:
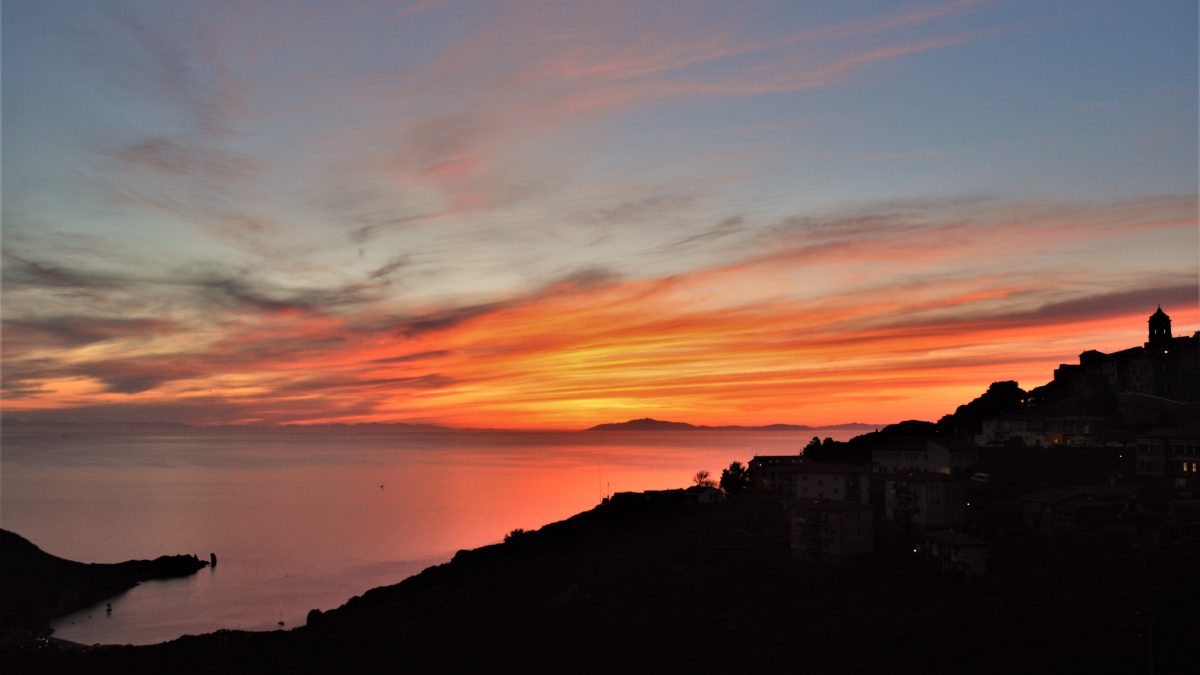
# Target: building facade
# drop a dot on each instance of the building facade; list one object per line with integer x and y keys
{"x": 1171, "y": 456}
{"x": 929, "y": 455}
{"x": 1039, "y": 431}
{"x": 794, "y": 477}
{"x": 955, "y": 552}
{"x": 925, "y": 499}
{"x": 830, "y": 531}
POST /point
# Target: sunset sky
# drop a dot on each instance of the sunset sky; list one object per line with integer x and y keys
{"x": 556, "y": 214}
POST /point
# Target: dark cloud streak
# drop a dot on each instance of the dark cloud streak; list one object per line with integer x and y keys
{"x": 391, "y": 267}
{"x": 586, "y": 279}
{"x": 75, "y": 331}
{"x": 721, "y": 230}
{"x": 25, "y": 272}
{"x": 967, "y": 322}
{"x": 415, "y": 356}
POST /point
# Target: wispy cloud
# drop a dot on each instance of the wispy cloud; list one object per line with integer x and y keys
{"x": 22, "y": 271}
{"x": 762, "y": 338}
{"x": 76, "y": 331}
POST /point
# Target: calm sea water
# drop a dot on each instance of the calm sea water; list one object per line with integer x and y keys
{"x": 302, "y": 521}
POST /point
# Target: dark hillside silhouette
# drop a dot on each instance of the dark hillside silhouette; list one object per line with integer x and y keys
{"x": 857, "y": 450}
{"x": 672, "y": 587}
{"x": 36, "y": 587}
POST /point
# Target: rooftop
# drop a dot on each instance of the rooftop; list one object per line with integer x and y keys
{"x": 954, "y": 538}
{"x": 916, "y": 443}
{"x": 1055, "y": 495}
{"x": 820, "y": 467}
{"x": 828, "y": 505}
{"x": 919, "y": 477}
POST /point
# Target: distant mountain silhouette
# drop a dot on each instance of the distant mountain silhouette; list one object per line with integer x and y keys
{"x": 374, "y": 427}
{"x": 648, "y": 424}
{"x": 644, "y": 424}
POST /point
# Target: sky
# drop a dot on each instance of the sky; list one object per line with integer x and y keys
{"x": 557, "y": 214}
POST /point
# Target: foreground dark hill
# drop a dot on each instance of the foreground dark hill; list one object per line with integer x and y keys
{"x": 712, "y": 588}
{"x": 36, "y": 586}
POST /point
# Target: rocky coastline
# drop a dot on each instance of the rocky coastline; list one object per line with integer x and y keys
{"x": 37, "y": 587}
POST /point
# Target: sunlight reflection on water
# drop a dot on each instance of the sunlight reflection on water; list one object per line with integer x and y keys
{"x": 299, "y": 521}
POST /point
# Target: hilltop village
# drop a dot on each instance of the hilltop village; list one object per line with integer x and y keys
{"x": 1111, "y": 444}
{"x": 1046, "y": 531}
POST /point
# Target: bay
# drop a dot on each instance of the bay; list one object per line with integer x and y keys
{"x": 304, "y": 520}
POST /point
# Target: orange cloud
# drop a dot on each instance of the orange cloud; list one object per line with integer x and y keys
{"x": 877, "y": 316}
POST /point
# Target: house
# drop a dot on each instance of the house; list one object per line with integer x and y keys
{"x": 832, "y": 481}
{"x": 1028, "y": 429}
{"x": 697, "y": 494}
{"x": 922, "y": 498}
{"x": 1185, "y": 518}
{"x": 806, "y": 479}
{"x": 826, "y": 530}
{"x": 930, "y": 455}
{"x": 773, "y": 473}
{"x": 705, "y": 494}
{"x": 1041, "y": 431}
{"x": 1074, "y": 507}
{"x": 951, "y": 551}
{"x": 1170, "y": 456}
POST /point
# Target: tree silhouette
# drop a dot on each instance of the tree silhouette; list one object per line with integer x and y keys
{"x": 703, "y": 479}
{"x": 814, "y": 444}
{"x": 735, "y": 479}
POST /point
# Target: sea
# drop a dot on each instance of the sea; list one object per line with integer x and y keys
{"x": 305, "y": 520}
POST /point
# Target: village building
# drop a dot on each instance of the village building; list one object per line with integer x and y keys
{"x": 955, "y": 552}
{"x": 773, "y": 473}
{"x": 1075, "y": 507}
{"x": 926, "y": 499}
{"x": 1035, "y": 431}
{"x": 696, "y": 494}
{"x": 1184, "y": 518}
{"x": 1170, "y": 457}
{"x": 1164, "y": 367}
{"x": 825, "y": 530}
{"x": 796, "y": 478}
{"x": 931, "y": 455}
{"x": 705, "y": 494}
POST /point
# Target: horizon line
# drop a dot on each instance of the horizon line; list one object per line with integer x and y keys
{"x": 425, "y": 426}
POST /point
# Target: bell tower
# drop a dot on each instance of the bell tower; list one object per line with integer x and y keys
{"x": 1160, "y": 329}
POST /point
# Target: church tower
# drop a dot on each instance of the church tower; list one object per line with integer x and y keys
{"x": 1160, "y": 329}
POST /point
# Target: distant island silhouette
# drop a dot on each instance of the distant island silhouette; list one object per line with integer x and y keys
{"x": 649, "y": 424}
